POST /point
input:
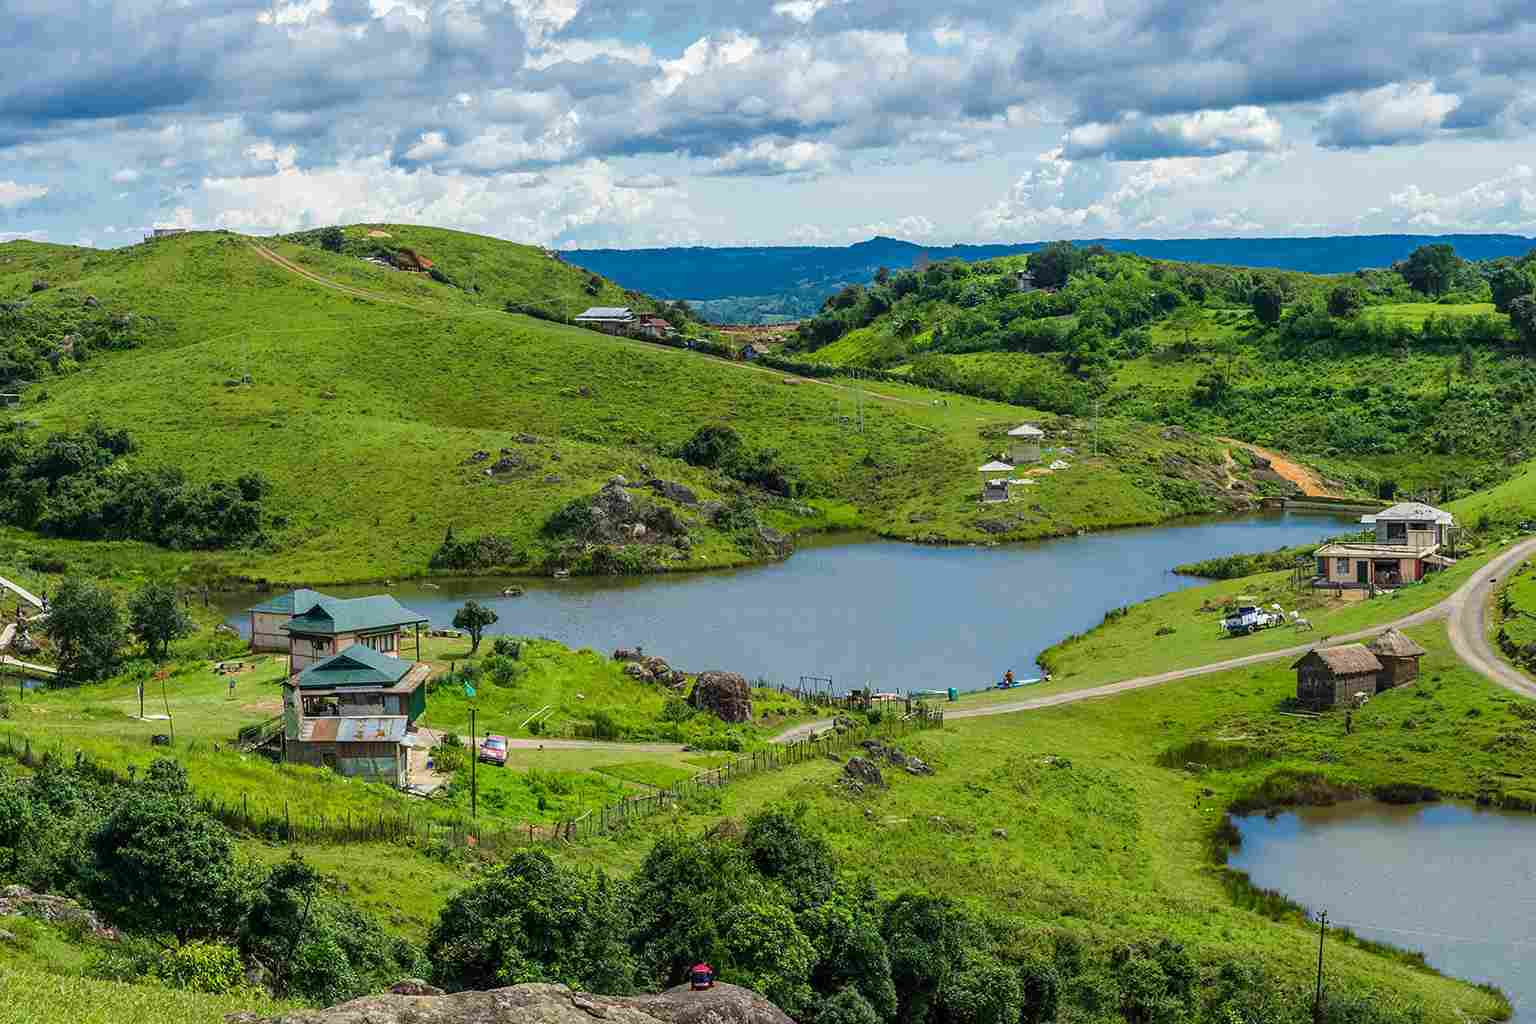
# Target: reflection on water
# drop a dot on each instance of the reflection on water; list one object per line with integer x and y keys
{"x": 1457, "y": 883}
{"x": 858, "y": 610}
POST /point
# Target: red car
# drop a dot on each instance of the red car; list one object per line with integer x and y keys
{"x": 494, "y": 750}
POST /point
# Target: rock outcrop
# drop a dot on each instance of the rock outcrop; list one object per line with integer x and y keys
{"x": 894, "y": 755}
{"x": 725, "y": 695}
{"x": 542, "y": 1004}
{"x": 21, "y": 901}
{"x": 673, "y": 491}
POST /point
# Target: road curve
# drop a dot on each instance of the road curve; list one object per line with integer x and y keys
{"x": 1465, "y": 608}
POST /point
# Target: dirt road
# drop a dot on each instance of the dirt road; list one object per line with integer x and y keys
{"x": 1466, "y": 611}
{"x": 434, "y": 736}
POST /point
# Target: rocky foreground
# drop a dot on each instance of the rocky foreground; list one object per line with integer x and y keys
{"x": 413, "y": 1002}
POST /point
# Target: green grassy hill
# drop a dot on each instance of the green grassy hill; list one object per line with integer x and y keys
{"x": 1362, "y": 373}
{"x": 371, "y": 389}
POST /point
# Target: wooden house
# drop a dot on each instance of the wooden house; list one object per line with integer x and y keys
{"x": 1399, "y": 657}
{"x": 1024, "y": 443}
{"x": 322, "y": 626}
{"x": 654, "y": 327}
{"x": 353, "y": 712}
{"x": 1406, "y": 548}
{"x": 1329, "y": 676}
{"x": 270, "y": 616}
{"x": 608, "y": 319}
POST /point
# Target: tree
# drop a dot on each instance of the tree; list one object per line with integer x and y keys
{"x": 1268, "y": 303}
{"x": 1053, "y": 265}
{"x": 927, "y": 936}
{"x": 1522, "y": 314}
{"x": 473, "y": 618}
{"x": 1508, "y": 284}
{"x": 534, "y": 921}
{"x": 1345, "y": 301}
{"x": 1430, "y": 268}
{"x": 160, "y": 865}
{"x": 156, "y": 619}
{"x": 331, "y": 239}
{"x": 87, "y": 630}
{"x": 1186, "y": 319}
{"x": 712, "y": 447}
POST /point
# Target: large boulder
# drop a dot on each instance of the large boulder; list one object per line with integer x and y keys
{"x": 725, "y": 695}
{"x": 18, "y": 900}
{"x": 674, "y": 491}
{"x": 543, "y": 1004}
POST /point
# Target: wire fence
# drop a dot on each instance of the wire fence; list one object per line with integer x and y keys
{"x": 431, "y": 826}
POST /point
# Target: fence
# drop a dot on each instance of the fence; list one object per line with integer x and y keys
{"x": 431, "y": 826}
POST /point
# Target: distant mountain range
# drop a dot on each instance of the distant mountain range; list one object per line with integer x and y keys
{"x": 761, "y": 284}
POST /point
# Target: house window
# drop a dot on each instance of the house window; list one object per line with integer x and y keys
{"x": 1397, "y": 533}
{"x": 1341, "y": 566}
{"x": 317, "y": 645}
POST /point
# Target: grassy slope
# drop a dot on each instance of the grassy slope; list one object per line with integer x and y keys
{"x": 363, "y": 412}
{"x": 1116, "y": 846}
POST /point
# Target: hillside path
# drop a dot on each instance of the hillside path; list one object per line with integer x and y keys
{"x": 1310, "y": 483}
{"x": 1466, "y": 609}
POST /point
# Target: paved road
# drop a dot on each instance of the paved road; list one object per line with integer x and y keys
{"x": 518, "y": 743}
{"x": 1466, "y": 609}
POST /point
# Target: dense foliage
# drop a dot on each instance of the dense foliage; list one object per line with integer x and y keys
{"x": 75, "y": 484}
{"x": 42, "y": 335}
{"x": 720, "y": 448}
{"x": 146, "y": 857}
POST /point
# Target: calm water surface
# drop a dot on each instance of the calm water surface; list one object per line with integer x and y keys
{"x": 898, "y": 615}
{"x": 1454, "y": 882}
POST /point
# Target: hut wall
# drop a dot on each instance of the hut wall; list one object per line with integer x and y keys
{"x": 1396, "y": 671}
{"x": 1318, "y": 688}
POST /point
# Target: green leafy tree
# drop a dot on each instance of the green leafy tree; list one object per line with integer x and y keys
{"x": 713, "y": 447}
{"x": 781, "y": 849}
{"x": 1508, "y": 284}
{"x": 927, "y": 937}
{"x": 1345, "y": 301}
{"x": 1053, "y": 265}
{"x": 982, "y": 991}
{"x": 157, "y": 619}
{"x": 86, "y": 628}
{"x": 331, "y": 239}
{"x": 1268, "y": 304}
{"x": 1522, "y": 314}
{"x": 473, "y": 617}
{"x": 1430, "y": 269}
{"x": 161, "y": 866}
{"x": 534, "y": 921}
{"x": 848, "y": 1007}
{"x": 851, "y": 953}
{"x": 1186, "y": 320}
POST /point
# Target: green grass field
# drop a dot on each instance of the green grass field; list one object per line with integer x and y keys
{"x": 363, "y": 411}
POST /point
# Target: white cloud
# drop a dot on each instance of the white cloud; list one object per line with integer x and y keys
{"x": 1505, "y": 203}
{"x": 707, "y": 54}
{"x": 801, "y": 10}
{"x": 125, "y": 176}
{"x": 1204, "y": 133}
{"x": 1391, "y": 115}
{"x": 770, "y": 157}
{"x": 15, "y": 194}
{"x": 912, "y": 226}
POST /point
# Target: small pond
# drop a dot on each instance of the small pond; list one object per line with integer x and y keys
{"x": 859, "y": 610}
{"x": 1454, "y": 882}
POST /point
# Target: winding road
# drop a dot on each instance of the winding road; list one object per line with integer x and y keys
{"x": 1466, "y": 612}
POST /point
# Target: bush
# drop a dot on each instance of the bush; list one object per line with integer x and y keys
{"x": 201, "y": 967}
{"x": 507, "y": 647}
{"x": 449, "y": 754}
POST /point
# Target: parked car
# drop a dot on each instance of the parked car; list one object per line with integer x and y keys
{"x": 494, "y": 750}
{"x": 1245, "y": 619}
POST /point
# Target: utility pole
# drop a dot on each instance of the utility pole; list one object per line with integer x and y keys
{"x": 474, "y": 759}
{"x": 1095, "y": 428}
{"x": 1317, "y": 1002}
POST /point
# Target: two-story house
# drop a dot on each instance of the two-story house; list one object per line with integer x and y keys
{"x": 1406, "y": 547}
{"x": 352, "y": 712}
{"x": 322, "y": 626}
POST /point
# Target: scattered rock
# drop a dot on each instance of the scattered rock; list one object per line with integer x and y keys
{"x": 625, "y": 654}
{"x": 509, "y": 463}
{"x": 673, "y": 491}
{"x": 554, "y": 478}
{"x": 415, "y": 987}
{"x": 91, "y": 302}
{"x": 894, "y": 755}
{"x": 541, "y": 1004}
{"x": 1174, "y": 434}
{"x": 993, "y": 526}
{"x": 526, "y": 439}
{"x": 859, "y": 773}
{"x": 20, "y": 901}
{"x": 779, "y": 544}
{"x": 617, "y": 480}
{"x": 726, "y": 695}
{"x": 479, "y": 456}
{"x": 999, "y": 833}
{"x": 39, "y": 285}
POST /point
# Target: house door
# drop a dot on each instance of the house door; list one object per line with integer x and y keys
{"x": 1362, "y": 572}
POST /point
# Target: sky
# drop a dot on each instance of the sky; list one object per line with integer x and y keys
{"x": 585, "y": 123}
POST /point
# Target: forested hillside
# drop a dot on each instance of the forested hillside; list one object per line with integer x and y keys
{"x": 1410, "y": 377}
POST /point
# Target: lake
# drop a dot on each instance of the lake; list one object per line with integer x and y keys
{"x": 1454, "y": 882}
{"x": 860, "y": 610}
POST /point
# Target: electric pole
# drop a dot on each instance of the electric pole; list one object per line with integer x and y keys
{"x": 1317, "y": 1002}
{"x": 1095, "y": 428}
{"x": 474, "y": 759}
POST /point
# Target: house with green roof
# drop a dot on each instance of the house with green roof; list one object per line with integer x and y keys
{"x": 321, "y": 626}
{"x": 270, "y": 616}
{"x": 353, "y": 712}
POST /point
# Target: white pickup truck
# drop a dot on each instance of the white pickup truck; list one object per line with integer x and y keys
{"x": 1241, "y": 621}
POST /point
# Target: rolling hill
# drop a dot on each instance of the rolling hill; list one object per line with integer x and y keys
{"x": 364, "y": 396}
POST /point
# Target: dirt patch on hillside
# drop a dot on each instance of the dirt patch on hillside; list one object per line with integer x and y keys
{"x": 380, "y": 234}
{"x": 269, "y": 706}
{"x": 1309, "y": 482}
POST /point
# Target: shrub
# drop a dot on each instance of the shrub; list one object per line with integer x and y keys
{"x": 507, "y": 647}
{"x": 201, "y": 967}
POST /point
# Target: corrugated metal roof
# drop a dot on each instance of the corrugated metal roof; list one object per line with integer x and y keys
{"x": 283, "y": 604}
{"x": 1345, "y": 660}
{"x": 996, "y": 467}
{"x": 1027, "y": 430}
{"x": 1415, "y": 511}
{"x": 326, "y": 616}
{"x": 1387, "y": 552}
{"x": 356, "y": 666}
{"x": 606, "y": 313}
{"x": 352, "y": 730}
